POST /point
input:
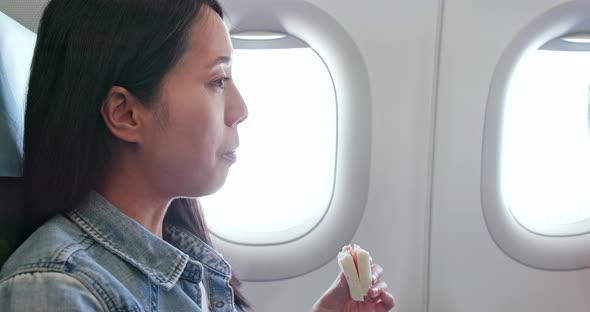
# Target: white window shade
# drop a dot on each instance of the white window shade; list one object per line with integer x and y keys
{"x": 282, "y": 184}
{"x": 545, "y": 152}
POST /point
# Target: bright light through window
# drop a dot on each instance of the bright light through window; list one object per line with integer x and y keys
{"x": 545, "y": 153}
{"x": 282, "y": 183}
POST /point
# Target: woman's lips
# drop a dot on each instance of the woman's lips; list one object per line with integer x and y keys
{"x": 230, "y": 156}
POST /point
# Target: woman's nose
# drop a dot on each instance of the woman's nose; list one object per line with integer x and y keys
{"x": 238, "y": 109}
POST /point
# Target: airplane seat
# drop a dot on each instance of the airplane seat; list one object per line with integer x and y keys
{"x": 16, "y": 51}
{"x": 11, "y": 199}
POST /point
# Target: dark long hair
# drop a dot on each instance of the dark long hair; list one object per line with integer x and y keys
{"x": 83, "y": 49}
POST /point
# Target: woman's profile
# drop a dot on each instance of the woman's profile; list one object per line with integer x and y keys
{"x": 132, "y": 115}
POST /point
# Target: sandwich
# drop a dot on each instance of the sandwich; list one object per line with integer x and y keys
{"x": 356, "y": 264}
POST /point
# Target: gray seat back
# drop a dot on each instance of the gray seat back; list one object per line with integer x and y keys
{"x": 16, "y": 51}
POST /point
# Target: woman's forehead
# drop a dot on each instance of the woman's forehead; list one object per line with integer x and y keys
{"x": 208, "y": 38}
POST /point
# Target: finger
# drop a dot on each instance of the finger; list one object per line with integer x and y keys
{"x": 377, "y": 273}
{"x": 377, "y": 289}
{"x": 373, "y": 301}
{"x": 387, "y": 302}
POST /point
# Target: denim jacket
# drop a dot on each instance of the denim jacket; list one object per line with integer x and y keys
{"x": 97, "y": 259}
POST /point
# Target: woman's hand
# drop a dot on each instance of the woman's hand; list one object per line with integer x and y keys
{"x": 337, "y": 297}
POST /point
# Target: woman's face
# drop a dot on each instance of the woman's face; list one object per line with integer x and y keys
{"x": 191, "y": 141}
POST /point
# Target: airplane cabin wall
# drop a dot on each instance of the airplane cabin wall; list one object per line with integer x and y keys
{"x": 468, "y": 271}
{"x": 26, "y": 12}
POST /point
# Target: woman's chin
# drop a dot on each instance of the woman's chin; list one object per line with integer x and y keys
{"x": 210, "y": 188}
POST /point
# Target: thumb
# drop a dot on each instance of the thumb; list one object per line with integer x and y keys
{"x": 340, "y": 286}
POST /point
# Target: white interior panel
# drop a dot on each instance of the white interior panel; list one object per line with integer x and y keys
{"x": 28, "y": 13}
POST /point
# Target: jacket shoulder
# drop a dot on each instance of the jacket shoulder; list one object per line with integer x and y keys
{"x": 48, "y": 248}
{"x": 60, "y": 254}
{"x": 43, "y": 291}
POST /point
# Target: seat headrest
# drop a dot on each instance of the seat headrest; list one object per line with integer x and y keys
{"x": 17, "y": 44}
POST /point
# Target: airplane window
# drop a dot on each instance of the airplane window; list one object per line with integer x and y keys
{"x": 282, "y": 183}
{"x": 301, "y": 181}
{"x": 545, "y": 152}
{"x": 535, "y": 163}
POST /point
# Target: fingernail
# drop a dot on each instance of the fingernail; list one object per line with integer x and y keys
{"x": 374, "y": 292}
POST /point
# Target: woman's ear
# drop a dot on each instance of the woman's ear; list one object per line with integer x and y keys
{"x": 121, "y": 112}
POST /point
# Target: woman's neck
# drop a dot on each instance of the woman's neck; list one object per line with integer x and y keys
{"x": 130, "y": 192}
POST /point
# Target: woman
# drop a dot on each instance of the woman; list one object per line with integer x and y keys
{"x": 131, "y": 111}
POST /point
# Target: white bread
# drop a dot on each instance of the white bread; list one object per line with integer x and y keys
{"x": 347, "y": 266}
{"x": 358, "y": 279}
{"x": 364, "y": 269}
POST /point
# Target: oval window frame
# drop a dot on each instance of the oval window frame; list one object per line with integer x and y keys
{"x": 350, "y": 76}
{"x": 527, "y": 247}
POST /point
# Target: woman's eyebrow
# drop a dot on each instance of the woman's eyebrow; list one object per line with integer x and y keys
{"x": 222, "y": 60}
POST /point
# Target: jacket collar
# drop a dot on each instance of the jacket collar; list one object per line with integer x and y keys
{"x": 160, "y": 261}
{"x": 196, "y": 249}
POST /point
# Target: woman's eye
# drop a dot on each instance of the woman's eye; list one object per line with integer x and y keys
{"x": 220, "y": 83}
